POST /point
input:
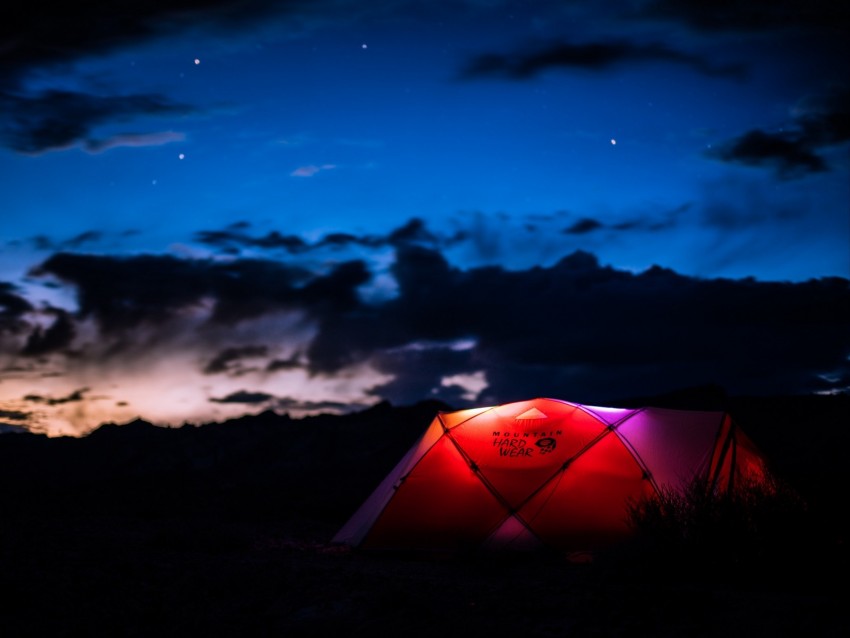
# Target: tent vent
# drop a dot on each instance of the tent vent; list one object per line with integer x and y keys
{"x": 530, "y": 414}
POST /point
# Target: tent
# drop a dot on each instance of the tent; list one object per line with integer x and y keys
{"x": 544, "y": 473}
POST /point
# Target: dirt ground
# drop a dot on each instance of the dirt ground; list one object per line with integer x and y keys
{"x": 119, "y": 576}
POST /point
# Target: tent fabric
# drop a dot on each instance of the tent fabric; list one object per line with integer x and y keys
{"x": 544, "y": 473}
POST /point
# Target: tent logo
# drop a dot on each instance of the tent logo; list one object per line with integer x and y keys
{"x": 517, "y": 445}
{"x": 546, "y": 444}
{"x": 531, "y": 414}
{"x": 512, "y": 447}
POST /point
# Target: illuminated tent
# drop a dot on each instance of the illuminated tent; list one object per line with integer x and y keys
{"x": 544, "y": 473}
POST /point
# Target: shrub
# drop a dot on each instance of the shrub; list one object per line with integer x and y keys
{"x": 761, "y": 531}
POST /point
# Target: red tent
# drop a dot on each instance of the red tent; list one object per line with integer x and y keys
{"x": 544, "y": 473}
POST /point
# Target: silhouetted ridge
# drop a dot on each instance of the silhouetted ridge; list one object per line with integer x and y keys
{"x": 704, "y": 397}
{"x": 263, "y": 465}
{"x": 133, "y": 429}
{"x": 270, "y": 466}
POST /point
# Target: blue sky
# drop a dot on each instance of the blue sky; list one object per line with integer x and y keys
{"x": 337, "y": 146}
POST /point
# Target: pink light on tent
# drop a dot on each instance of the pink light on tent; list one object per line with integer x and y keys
{"x": 544, "y": 472}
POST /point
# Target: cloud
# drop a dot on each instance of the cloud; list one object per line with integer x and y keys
{"x": 12, "y": 421}
{"x": 755, "y": 16}
{"x": 820, "y": 121}
{"x": 229, "y": 360}
{"x": 594, "y": 56}
{"x": 824, "y": 118}
{"x": 656, "y": 221}
{"x": 74, "y": 397}
{"x": 87, "y": 239}
{"x": 14, "y": 415}
{"x": 598, "y": 330}
{"x": 44, "y": 33}
{"x": 290, "y": 403}
{"x": 243, "y": 396}
{"x": 89, "y": 236}
{"x": 13, "y": 307}
{"x": 576, "y": 329}
{"x": 232, "y": 239}
{"x": 134, "y": 140}
{"x": 583, "y": 226}
{"x": 418, "y": 372}
{"x": 284, "y": 403}
{"x": 122, "y": 293}
{"x": 56, "y": 337}
{"x": 788, "y": 154}
{"x": 312, "y": 169}
{"x": 60, "y": 119}
{"x": 292, "y": 363}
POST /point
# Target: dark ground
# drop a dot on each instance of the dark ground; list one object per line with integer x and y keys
{"x": 224, "y": 530}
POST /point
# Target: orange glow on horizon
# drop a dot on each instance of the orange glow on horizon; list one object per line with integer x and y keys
{"x": 169, "y": 392}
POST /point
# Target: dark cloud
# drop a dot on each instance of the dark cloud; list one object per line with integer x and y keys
{"x": 229, "y": 360}
{"x": 289, "y": 403}
{"x": 753, "y": 16}
{"x": 73, "y": 397}
{"x": 89, "y": 236}
{"x": 125, "y": 292}
{"x": 418, "y": 373}
{"x": 413, "y": 232}
{"x": 352, "y": 337}
{"x": 12, "y": 307}
{"x": 284, "y": 403}
{"x": 655, "y": 222}
{"x": 342, "y": 240}
{"x": 56, "y": 337}
{"x": 41, "y": 33}
{"x": 14, "y": 421}
{"x": 583, "y": 226}
{"x": 57, "y": 119}
{"x": 14, "y": 415}
{"x": 788, "y": 154}
{"x": 45, "y": 243}
{"x": 243, "y": 396}
{"x": 576, "y": 329}
{"x": 598, "y": 330}
{"x": 235, "y": 237}
{"x": 122, "y": 293}
{"x": 293, "y": 363}
{"x": 594, "y": 56}
{"x": 824, "y": 118}
{"x": 821, "y": 121}
{"x": 42, "y": 242}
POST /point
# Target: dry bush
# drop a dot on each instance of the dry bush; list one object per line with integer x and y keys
{"x": 761, "y": 532}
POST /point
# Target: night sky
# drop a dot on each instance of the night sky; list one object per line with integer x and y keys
{"x": 212, "y": 208}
